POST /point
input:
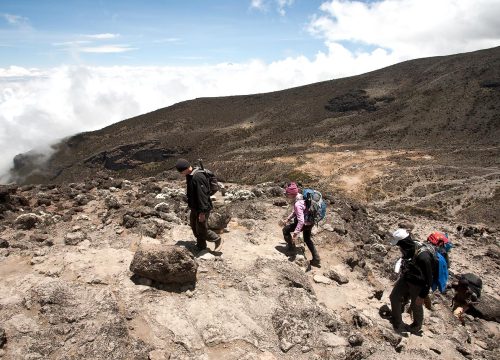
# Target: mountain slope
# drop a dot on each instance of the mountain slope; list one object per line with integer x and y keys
{"x": 442, "y": 112}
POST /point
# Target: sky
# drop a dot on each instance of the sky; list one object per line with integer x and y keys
{"x": 77, "y": 65}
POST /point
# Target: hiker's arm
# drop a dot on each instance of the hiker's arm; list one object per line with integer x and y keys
{"x": 424, "y": 262}
{"x": 299, "y": 212}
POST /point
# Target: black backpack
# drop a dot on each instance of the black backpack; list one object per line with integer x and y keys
{"x": 213, "y": 184}
{"x": 474, "y": 282}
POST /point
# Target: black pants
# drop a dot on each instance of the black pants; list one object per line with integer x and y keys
{"x": 306, "y": 230}
{"x": 201, "y": 231}
{"x": 403, "y": 289}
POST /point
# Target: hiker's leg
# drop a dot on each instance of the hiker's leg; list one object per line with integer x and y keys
{"x": 210, "y": 235}
{"x": 287, "y": 234}
{"x": 398, "y": 293}
{"x": 195, "y": 227}
{"x": 417, "y": 310}
{"x": 307, "y": 229}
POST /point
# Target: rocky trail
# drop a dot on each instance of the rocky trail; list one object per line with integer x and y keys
{"x": 67, "y": 292}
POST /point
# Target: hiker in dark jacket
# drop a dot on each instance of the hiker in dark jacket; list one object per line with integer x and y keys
{"x": 200, "y": 204}
{"x": 415, "y": 281}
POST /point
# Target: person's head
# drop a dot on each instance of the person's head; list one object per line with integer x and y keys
{"x": 183, "y": 166}
{"x": 402, "y": 238}
{"x": 291, "y": 191}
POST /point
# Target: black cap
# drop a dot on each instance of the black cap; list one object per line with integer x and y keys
{"x": 182, "y": 164}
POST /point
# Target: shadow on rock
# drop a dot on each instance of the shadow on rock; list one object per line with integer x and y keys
{"x": 173, "y": 288}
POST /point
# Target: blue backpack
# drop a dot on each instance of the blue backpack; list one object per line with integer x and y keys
{"x": 315, "y": 205}
{"x": 440, "y": 281}
{"x": 442, "y": 278}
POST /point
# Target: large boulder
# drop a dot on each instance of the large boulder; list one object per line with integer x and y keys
{"x": 487, "y": 308}
{"x": 165, "y": 264}
{"x": 219, "y": 219}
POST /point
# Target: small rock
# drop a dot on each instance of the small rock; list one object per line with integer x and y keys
{"x": 27, "y": 221}
{"x": 4, "y": 244}
{"x": 436, "y": 350}
{"x": 3, "y": 338}
{"x": 331, "y": 340}
{"x": 402, "y": 344}
{"x": 328, "y": 227}
{"x": 335, "y": 276}
{"x": 462, "y": 350}
{"x": 163, "y": 207}
{"x": 280, "y": 202}
{"x": 158, "y": 355}
{"x": 405, "y": 224}
{"x": 285, "y": 345}
{"x": 361, "y": 320}
{"x": 205, "y": 255}
{"x": 322, "y": 279}
{"x": 340, "y": 230}
{"x": 355, "y": 339}
{"x": 74, "y": 238}
{"x": 112, "y": 202}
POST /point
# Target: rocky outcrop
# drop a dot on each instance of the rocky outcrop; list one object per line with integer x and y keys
{"x": 27, "y": 221}
{"x": 130, "y": 156}
{"x": 165, "y": 264}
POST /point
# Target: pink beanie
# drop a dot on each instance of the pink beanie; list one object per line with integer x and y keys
{"x": 292, "y": 189}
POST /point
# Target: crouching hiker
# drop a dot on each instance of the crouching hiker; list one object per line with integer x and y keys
{"x": 200, "y": 204}
{"x": 295, "y": 223}
{"x": 417, "y": 272}
{"x": 467, "y": 293}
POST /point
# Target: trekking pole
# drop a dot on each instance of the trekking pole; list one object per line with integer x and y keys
{"x": 200, "y": 162}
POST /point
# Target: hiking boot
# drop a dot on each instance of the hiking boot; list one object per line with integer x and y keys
{"x": 201, "y": 247}
{"x": 315, "y": 263}
{"x": 400, "y": 328}
{"x": 291, "y": 249}
{"x": 415, "y": 330}
{"x": 218, "y": 245}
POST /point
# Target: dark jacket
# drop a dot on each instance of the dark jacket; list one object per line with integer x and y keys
{"x": 421, "y": 270}
{"x": 198, "y": 192}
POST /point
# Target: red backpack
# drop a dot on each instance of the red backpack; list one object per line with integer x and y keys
{"x": 437, "y": 238}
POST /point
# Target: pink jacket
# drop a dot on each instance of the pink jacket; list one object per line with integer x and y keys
{"x": 299, "y": 211}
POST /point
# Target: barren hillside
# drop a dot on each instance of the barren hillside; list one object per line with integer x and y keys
{"x": 420, "y": 137}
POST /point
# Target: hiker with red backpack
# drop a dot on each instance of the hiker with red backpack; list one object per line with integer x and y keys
{"x": 199, "y": 189}
{"x": 417, "y": 274}
{"x": 299, "y": 220}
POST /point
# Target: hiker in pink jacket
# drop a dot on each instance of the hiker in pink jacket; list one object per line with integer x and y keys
{"x": 295, "y": 223}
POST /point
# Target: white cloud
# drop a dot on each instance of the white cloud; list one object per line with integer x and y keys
{"x": 117, "y": 48}
{"x": 71, "y": 43}
{"x": 167, "y": 40}
{"x": 263, "y": 5}
{"x": 104, "y": 36}
{"x": 282, "y": 4}
{"x": 15, "y": 19}
{"x": 258, "y": 4}
{"x": 411, "y": 28}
